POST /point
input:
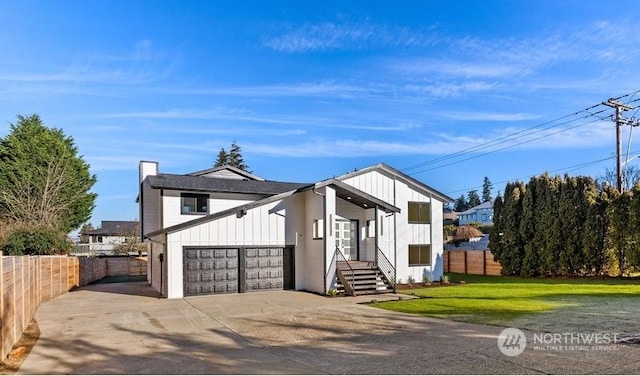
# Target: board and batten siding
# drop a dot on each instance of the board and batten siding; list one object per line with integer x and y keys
{"x": 381, "y": 186}
{"x": 261, "y": 226}
{"x": 413, "y": 233}
{"x": 398, "y": 193}
{"x": 217, "y": 202}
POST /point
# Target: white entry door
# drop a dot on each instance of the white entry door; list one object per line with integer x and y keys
{"x": 347, "y": 239}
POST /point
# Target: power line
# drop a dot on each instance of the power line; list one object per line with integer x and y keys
{"x": 506, "y": 147}
{"x": 510, "y": 137}
{"x": 517, "y": 135}
{"x": 565, "y": 169}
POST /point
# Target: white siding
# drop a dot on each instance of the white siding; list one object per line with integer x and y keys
{"x": 419, "y": 234}
{"x": 374, "y": 183}
{"x": 261, "y": 226}
{"x": 397, "y": 233}
{"x": 217, "y": 202}
{"x": 330, "y": 239}
{"x": 310, "y": 256}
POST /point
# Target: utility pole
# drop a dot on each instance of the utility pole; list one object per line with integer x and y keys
{"x": 620, "y": 121}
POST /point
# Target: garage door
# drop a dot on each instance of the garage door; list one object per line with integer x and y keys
{"x": 230, "y": 270}
{"x": 210, "y": 271}
{"x": 263, "y": 269}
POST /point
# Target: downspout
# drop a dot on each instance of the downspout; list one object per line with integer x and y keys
{"x": 431, "y": 237}
{"x": 324, "y": 240}
{"x": 395, "y": 235}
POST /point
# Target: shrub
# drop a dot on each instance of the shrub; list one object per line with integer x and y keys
{"x": 425, "y": 279}
{"x": 411, "y": 280}
{"x": 36, "y": 241}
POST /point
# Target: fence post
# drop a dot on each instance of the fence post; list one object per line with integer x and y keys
{"x": 484, "y": 262}
{"x": 465, "y": 262}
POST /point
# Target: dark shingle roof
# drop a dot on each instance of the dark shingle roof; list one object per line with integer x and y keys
{"x": 115, "y": 228}
{"x": 206, "y": 184}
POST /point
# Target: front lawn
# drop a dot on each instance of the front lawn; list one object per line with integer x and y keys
{"x": 553, "y": 305}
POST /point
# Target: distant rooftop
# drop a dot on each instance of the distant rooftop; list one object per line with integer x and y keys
{"x": 115, "y": 228}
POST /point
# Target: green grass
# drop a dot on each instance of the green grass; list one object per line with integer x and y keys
{"x": 529, "y": 302}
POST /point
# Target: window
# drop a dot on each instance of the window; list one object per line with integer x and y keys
{"x": 318, "y": 229}
{"x": 193, "y": 203}
{"x": 419, "y": 212}
{"x": 371, "y": 228}
{"x": 420, "y": 255}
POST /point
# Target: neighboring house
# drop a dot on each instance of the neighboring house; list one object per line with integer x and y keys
{"x": 109, "y": 234}
{"x": 482, "y": 214}
{"x": 449, "y": 217}
{"x": 223, "y": 230}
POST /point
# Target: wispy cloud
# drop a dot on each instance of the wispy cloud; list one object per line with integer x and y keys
{"x": 342, "y": 34}
{"x": 90, "y": 73}
{"x": 307, "y": 89}
{"x": 488, "y": 116}
{"x": 302, "y": 123}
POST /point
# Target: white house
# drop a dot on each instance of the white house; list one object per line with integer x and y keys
{"x": 223, "y": 230}
{"x": 482, "y": 214}
{"x": 108, "y": 235}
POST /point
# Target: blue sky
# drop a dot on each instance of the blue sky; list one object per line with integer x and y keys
{"x": 315, "y": 89}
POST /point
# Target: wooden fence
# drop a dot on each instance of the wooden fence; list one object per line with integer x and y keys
{"x": 26, "y": 283}
{"x": 94, "y": 268}
{"x": 471, "y": 262}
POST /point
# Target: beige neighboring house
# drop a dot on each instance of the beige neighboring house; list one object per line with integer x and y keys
{"x": 110, "y": 234}
{"x": 223, "y": 230}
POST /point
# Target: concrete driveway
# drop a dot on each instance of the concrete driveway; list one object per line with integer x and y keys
{"x": 125, "y": 329}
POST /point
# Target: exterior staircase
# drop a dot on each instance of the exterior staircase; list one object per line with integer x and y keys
{"x": 361, "y": 278}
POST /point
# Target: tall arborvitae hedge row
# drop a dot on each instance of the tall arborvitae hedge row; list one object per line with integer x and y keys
{"x": 565, "y": 226}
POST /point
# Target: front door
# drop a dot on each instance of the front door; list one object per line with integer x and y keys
{"x": 347, "y": 238}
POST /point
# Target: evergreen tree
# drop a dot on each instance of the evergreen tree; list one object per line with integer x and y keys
{"x": 633, "y": 255}
{"x": 512, "y": 249}
{"x": 473, "y": 199}
{"x": 486, "y": 189}
{"x": 461, "y": 204}
{"x": 619, "y": 234}
{"x": 43, "y": 181}
{"x": 552, "y": 223}
{"x": 84, "y": 229}
{"x": 530, "y": 262}
{"x": 235, "y": 157}
{"x": 596, "y": 241}
{"x": 223, "y": 158}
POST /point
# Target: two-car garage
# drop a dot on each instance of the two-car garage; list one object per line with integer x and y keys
{"x": 221, "y": 270}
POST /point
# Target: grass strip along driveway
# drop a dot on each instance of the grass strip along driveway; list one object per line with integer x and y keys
{"x": 549, "y": 305}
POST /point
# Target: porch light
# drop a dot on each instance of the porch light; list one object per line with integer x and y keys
{"x": 348, "y": 197}
{"x": 365, "y": 205}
